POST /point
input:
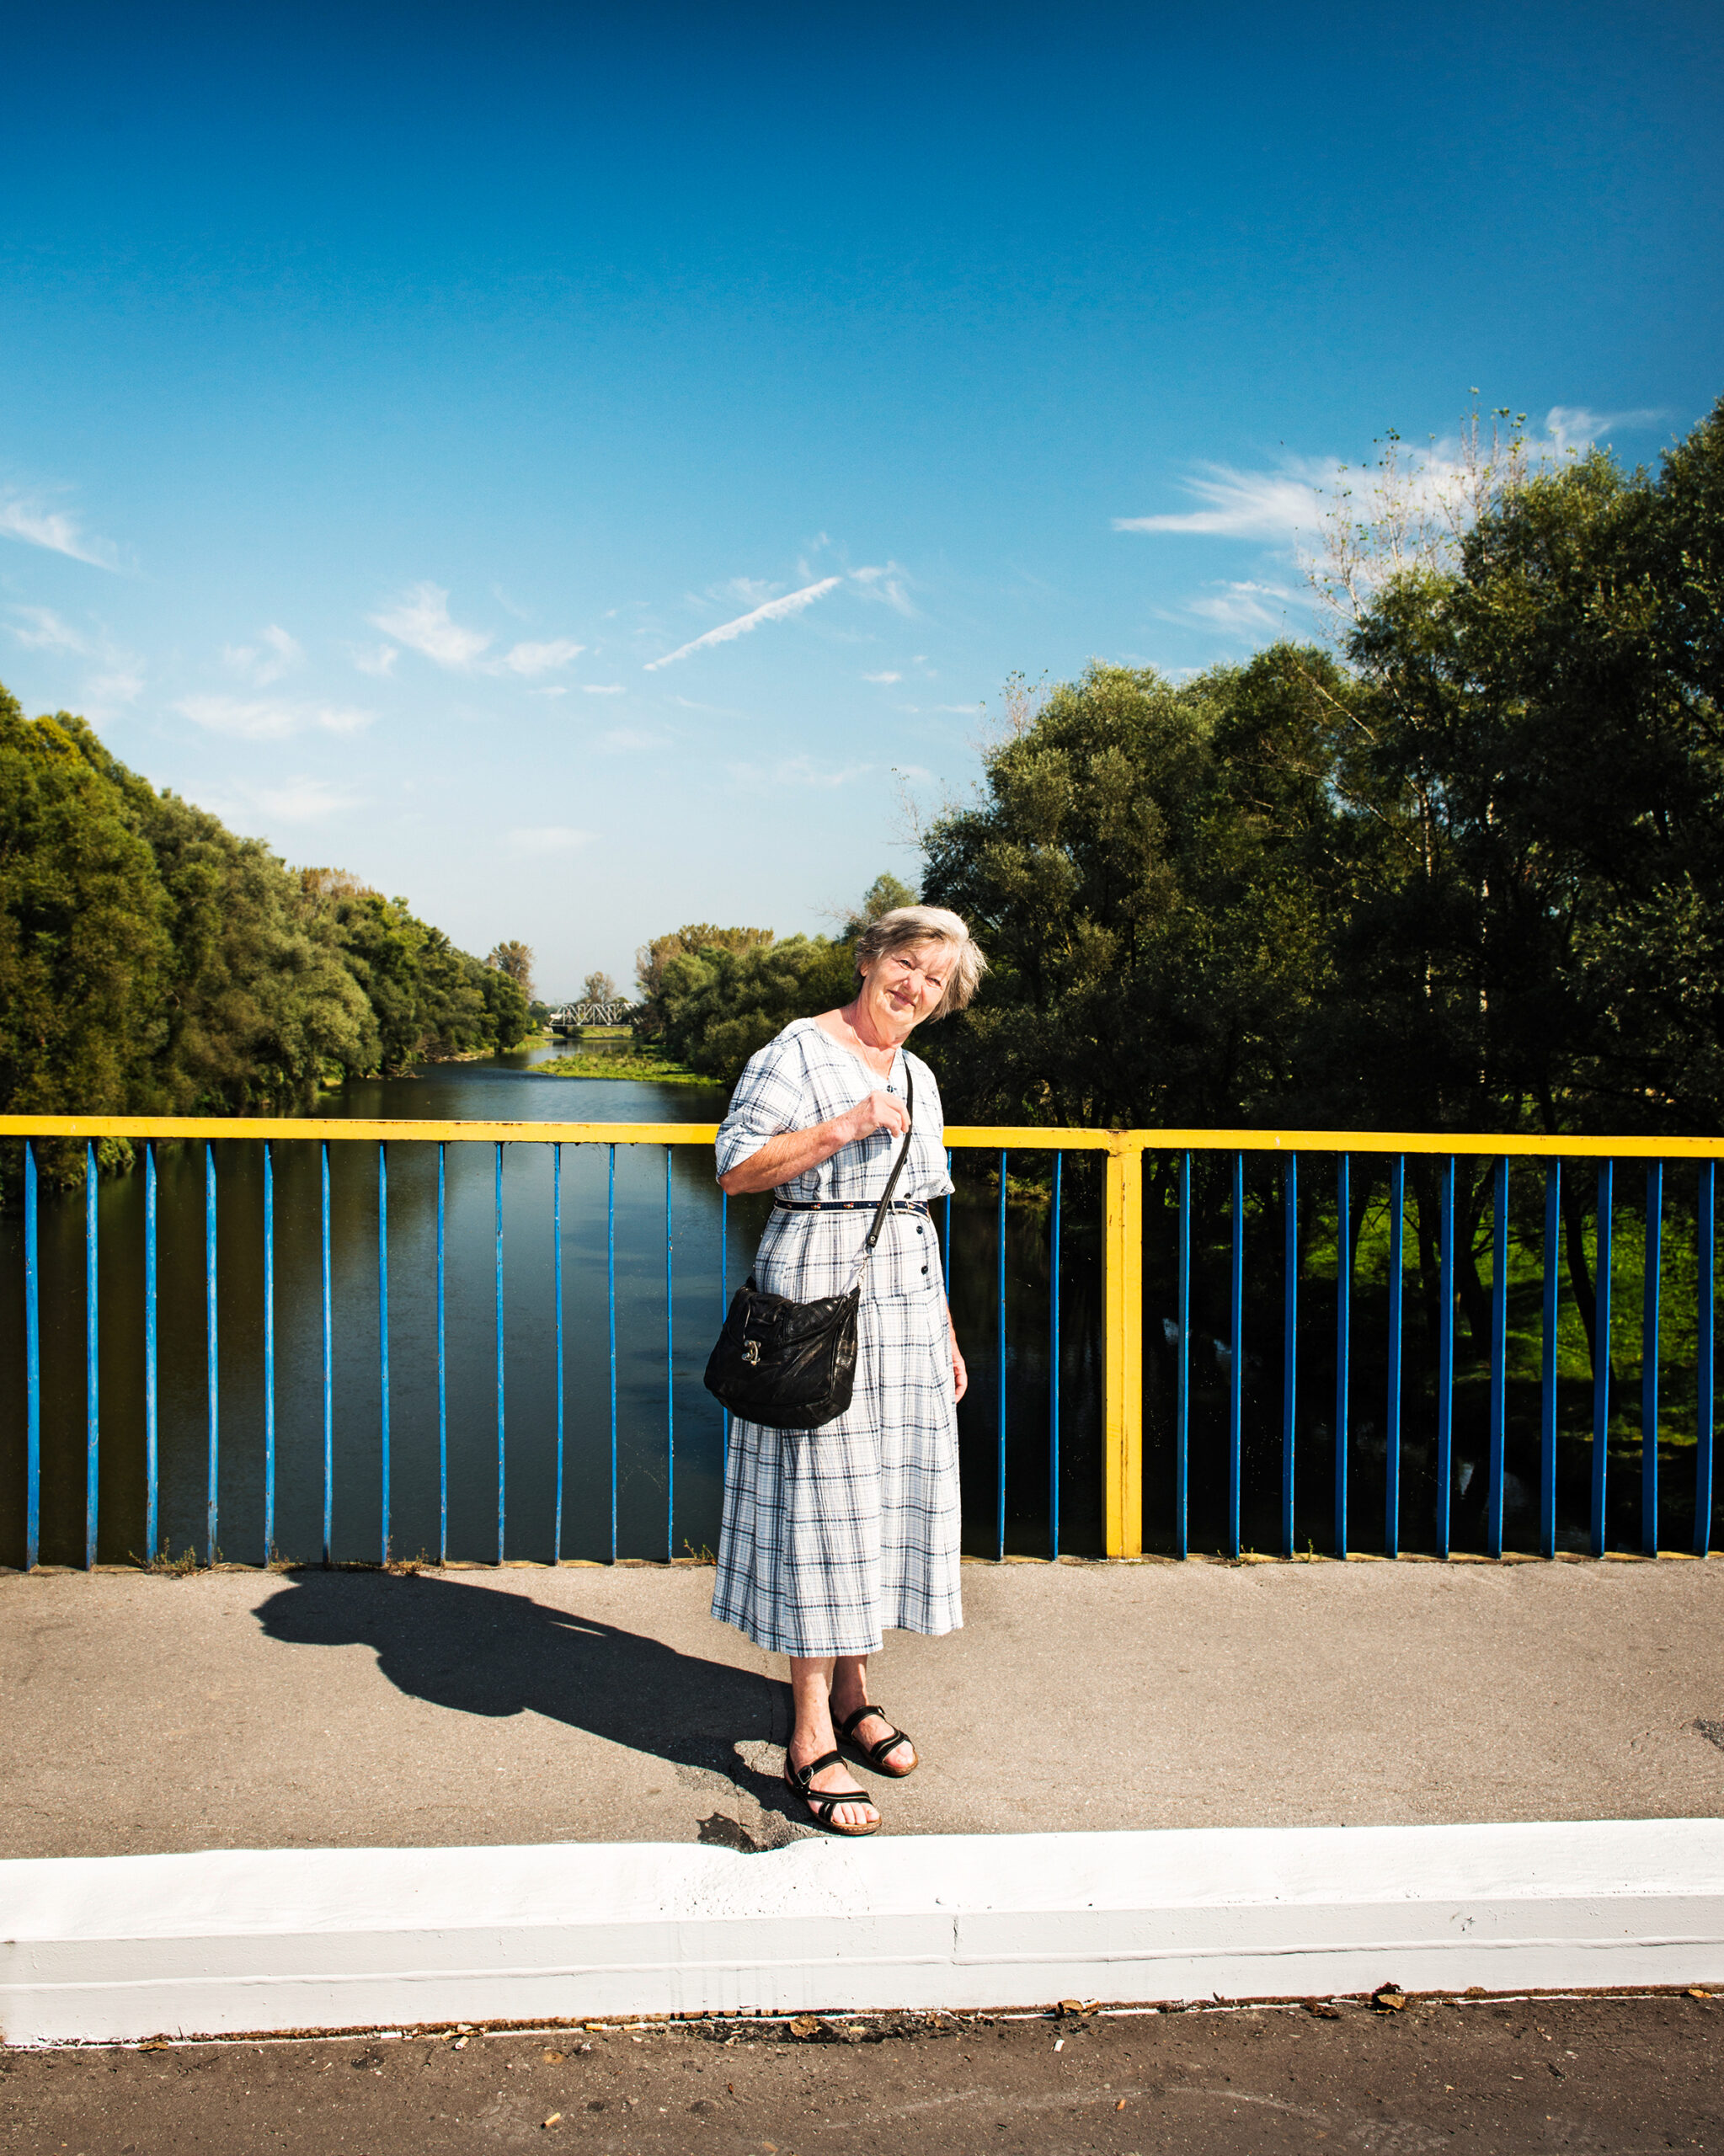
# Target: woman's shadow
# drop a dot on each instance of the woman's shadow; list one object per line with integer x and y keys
{"x": 479, "y": 1652}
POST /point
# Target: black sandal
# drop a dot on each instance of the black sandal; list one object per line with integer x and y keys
{"x": 821, "y": 1802}
{"x": 875, "y": 1754}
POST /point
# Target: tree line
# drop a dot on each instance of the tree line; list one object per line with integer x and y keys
{"x": 710, "y": 996}
{"x": 1460, "y": 869}
{"x": 1465, "y": 874}
{"x": 153, "y": 962}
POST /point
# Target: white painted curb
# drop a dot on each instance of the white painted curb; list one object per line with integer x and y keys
{"x": 113, "y": 1948}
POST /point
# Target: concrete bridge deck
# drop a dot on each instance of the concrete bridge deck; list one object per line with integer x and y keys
{"x": 350, "y": 1709}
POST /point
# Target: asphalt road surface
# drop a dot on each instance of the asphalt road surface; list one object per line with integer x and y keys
{"x": 1615, "y": 2075}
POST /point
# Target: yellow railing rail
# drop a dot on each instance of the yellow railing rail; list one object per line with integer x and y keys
{"x": 1021, "y": 1137}
{"x": 1122, "y": 1204}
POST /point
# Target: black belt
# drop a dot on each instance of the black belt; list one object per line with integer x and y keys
{"x": 848, "y": 1205}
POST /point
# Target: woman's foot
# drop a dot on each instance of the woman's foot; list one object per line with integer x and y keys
{"x": 870, "y": 1729}
{"x": 855, "y": 1812}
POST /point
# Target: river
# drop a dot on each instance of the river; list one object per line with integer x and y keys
{"x": 669, "y": 1433}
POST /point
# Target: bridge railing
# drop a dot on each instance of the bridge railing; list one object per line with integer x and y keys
{"x": 1257, "y": 1359}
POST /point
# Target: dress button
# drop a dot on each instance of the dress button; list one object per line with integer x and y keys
{"x": 925, "y": 1271}
{"x": 919, "y": 1232}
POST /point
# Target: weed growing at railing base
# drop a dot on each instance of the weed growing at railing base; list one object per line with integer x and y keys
{"x": 701, "y": 1557}
{"x": 408, "y": 1568}
{"x": 170, "y": 1566}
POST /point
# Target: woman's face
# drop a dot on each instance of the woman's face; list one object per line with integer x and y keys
{"x": 905, "y": 987}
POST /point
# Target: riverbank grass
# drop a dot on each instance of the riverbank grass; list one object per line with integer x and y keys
{"x": 630, "y": 1063}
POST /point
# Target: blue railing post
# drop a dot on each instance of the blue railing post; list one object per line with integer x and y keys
{"x": 610, "y": 1300}
{"x": 1499, "y": 1362}
{"x": 1397, "y": 1236}
{"x": 1235, "y": 1360}
{"x": 1181, "y": 1430}
{"x": 269, "y": 1354}
{"x": 383, "y": 1331}
{"x": 557, "y": 1304}
{"x": 502, "y": 1471}
{"x": 328, "y": 1358}
{"x": 1053, "y": 1367}
{"x": 92, "y": 1363}
{"x": 999, "y": 1374}
{"x": 1445, "y": 1361}
{"x": 152, "y": 1401}
{"x": 1705, "y": 1261}
{"x": 946, "y": 1240}
{"x": 1548, "y": 1364}
{"x": 1344, "y": 1338}
{"x": 1601, "y": 1354}
{"x": 442, "y": 1367}
{"x": 1649, "y": 1360}
{"x": 212, "y": 1355}
{"x": 32, "y": 1367}
{"x": 1289, "y": 1344}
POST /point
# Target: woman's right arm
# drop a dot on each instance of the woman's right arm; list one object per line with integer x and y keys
{"x": 794, "y": 1152}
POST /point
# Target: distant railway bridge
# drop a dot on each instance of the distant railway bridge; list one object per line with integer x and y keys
{"x": 611, "y": 1011}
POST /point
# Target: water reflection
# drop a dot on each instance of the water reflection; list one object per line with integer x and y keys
{"x": 664, "y": 1430}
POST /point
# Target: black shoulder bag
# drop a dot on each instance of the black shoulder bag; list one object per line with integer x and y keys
{"x": 791, "y": 1366}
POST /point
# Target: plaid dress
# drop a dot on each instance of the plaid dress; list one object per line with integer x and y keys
{"x": 832, "y": 1535}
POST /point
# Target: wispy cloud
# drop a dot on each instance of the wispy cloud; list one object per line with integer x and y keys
{"x": 23, "y": 516}
{"x": 883, "y": 677}
{"x": 269, "y": 718}
{"x": 799, "y": 771}
{"x": 379, "y": 662}
{"x": 774, "y": 610}
{"x": 887, "y": 582}
{"x": 534, "y": 659}
{"x": 274, "y": 654}
{"x": 548, "y": 838}
{"x": 1287, "y": 502}
{"x": 421, "y": 620}
{"x": 1244, "y": 505}
{"x": 1573, "y": 426}
{"x": 296, "y": 801}
{"x": 1244, "y": 606}
{"x": 624, "y": 738}
{"x": 601, "y": 688}
{"x": 40, "y": 628}
{"x": 118, "y": 675}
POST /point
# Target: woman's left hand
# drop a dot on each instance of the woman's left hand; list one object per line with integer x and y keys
{"x": 960, "y": 1376}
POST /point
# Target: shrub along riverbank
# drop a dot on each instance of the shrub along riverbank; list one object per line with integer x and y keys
{"x": 153, "y": 962}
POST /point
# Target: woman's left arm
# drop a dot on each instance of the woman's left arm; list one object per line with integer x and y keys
{"x": 960, "y": 1375}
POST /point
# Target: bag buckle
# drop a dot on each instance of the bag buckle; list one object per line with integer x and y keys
{"x": 751, "y": 1352}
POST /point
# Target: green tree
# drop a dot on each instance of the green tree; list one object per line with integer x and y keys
{"x": 651, "y": 959}
{"x": 1153, "y": 873}
{"x": 516, "y": 959}
{"x": 716, "y": 1006}
{"x": 152, "y": 961}
{"x": 86, "y": 952}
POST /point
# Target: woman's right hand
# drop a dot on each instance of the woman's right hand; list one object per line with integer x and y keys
{"x": 878, "y": 1111}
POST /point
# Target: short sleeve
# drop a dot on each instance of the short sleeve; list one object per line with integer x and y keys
{"x": 770, "y": 1099}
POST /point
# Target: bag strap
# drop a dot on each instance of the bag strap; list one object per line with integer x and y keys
{"x": 881, "y": 1209}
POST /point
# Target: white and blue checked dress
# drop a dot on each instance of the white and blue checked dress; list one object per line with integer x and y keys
{"x": 832, "y": 1536}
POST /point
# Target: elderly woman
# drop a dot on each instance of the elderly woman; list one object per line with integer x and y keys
{"x": 830, "y": 1536}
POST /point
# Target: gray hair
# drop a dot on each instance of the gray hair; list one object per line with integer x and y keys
{"x": 906, "y": 926}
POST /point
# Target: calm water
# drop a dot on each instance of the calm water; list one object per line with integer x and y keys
{"x": 668, "y": 1436}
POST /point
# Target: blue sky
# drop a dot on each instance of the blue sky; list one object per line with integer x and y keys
{"x": 560, "y": 464}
